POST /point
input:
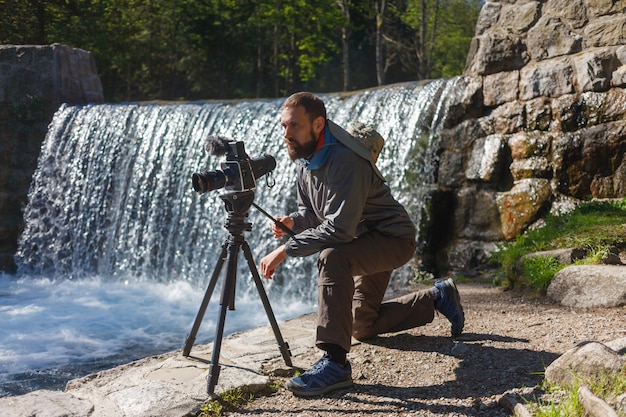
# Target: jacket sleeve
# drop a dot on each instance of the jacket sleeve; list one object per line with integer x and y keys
{"x": 305, "y": 217}
{"x": 344, "y": 192}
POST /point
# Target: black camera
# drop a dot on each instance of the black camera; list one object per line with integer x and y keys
{"x": 239, "y": 172}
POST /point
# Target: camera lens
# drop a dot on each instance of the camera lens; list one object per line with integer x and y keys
{"x": 208, "y": 181}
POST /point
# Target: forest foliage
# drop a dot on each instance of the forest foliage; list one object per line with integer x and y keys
{"x": 221, "y": 49}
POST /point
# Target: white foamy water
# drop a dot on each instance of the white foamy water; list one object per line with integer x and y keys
{"x": 53, "y": 331}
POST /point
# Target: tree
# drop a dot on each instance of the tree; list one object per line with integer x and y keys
{"x": 201, "y": 49}
{"x": 429, "y": 30}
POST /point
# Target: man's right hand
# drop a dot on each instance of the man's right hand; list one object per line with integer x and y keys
{"x": 278, "y": 232}
{"x": 270, "y": 262}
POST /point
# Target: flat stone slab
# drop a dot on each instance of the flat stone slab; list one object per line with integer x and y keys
{"x": 171, "y": 384}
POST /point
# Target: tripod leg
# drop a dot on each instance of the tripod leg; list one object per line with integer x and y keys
{"x": 225, "y": 301}
{"x": 191, "y": 338}
{"x": 283, "y": 346}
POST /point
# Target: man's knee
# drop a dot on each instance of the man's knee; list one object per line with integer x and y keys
{"x": 331, "y": 256}
{"x": 334, "y": 268}
{"x": 365, "y": 315}
{"x": 363, "y": 331}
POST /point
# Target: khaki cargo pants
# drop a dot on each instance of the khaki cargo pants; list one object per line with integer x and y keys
{"x": 353, "y": 278}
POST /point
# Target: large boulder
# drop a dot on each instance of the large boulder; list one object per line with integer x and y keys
{"x": 591, "y": 361}
{"x": 585, "y": 286}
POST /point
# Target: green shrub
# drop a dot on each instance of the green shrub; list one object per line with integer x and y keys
{"x": 538, "y": 271}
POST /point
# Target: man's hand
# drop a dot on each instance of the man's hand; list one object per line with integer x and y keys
{"x": 270, "y": 262}
{"x": 278, "y": 232}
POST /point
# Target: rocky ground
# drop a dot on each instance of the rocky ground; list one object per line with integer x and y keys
{"x": 508, "y": 341}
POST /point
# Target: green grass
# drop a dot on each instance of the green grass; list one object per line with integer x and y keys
{"x": 562, "y": 402}
{"x": 539, "y": 271}
{"x": 232, "y": 400}
{"x": 594, "y": 226}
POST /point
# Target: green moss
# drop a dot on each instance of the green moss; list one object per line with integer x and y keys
{"x": 594, "y": 226}
{"x": 232, "y": 400}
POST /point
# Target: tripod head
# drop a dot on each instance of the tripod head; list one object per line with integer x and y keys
{"x": 237, "y": 205}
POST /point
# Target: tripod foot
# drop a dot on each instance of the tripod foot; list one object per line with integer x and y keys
{"x": 214, "y": 375}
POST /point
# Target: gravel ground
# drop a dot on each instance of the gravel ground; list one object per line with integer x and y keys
{"x": 509, "y": 339}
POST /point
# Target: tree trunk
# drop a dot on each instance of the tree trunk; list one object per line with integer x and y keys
{"x": 344, "y": 5}
{"x": 276, "y": 42}
{"x": 380, "y": 69}
{"x": 40, "y": 15}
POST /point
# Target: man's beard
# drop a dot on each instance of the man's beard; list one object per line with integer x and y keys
{"x": 305, "y": 150}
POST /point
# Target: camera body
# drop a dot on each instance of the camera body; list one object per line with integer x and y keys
{"x": 238, "y": 173}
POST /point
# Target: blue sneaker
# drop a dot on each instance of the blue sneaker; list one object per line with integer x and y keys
{"x": 324, "y": 376}
{"x": 449, "y": 304}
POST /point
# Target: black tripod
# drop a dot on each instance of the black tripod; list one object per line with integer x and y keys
{"x": 237, "y": 205}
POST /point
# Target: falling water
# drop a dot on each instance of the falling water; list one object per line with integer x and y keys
{"x": 112, "y": 199}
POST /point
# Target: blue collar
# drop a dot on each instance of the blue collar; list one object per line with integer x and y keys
{"x": 320, "y": 157}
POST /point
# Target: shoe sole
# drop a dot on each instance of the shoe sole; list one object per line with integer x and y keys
{"x": 322, "y": 391}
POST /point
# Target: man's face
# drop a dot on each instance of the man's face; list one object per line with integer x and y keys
{"x": 299, "y": 132}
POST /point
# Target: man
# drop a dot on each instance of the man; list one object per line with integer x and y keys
{"x": 346, "y": 213}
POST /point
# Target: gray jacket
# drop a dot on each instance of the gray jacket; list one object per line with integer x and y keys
{"x": 342, "y": 200}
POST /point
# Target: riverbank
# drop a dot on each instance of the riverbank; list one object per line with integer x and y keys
{"x": 508, "y": 341}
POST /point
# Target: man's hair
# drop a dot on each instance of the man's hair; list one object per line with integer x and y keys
{"x": 313, "y": 105}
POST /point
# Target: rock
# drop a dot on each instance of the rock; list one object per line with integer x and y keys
{"x": 551, "y": 78}
{"x": 553, "y": 73}
{"x": 594, "y": 69}
{"x": 591, "y": 155}
{"x": 606, "y": 31}
{"x": 585, "y": 286}
{"x": 508, "y": 118}
{"x": 618, "y": 345}
{"x": 566, "y": 256}
{"x": 590, "y": 361}
{"x": 475, "y": 216}
{"x": 487, "y": 158}
{"x": 45, "y": 403}
{"x": 488, "y": 18}
{"x": 496, "y": 88}
{"x": 496, "y": 51}
{"x": 551, "y": 37}
{"x": 515, "y": 405}
{"x": 572, "y": 12}
{"x": 459, "y": 349}
{"x": 593, "y": 405}
{"x": 519, "y": 207}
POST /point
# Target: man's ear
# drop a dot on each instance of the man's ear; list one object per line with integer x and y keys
{"x": 318, "y": 125}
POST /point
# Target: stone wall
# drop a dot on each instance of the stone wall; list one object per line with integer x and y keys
{"x": 539, "y": 124}
{"x": 34, "y": 82}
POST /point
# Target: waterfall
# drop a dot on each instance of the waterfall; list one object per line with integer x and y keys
{"x": 118, "y": 249}
{"x": 112, "y": 193}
